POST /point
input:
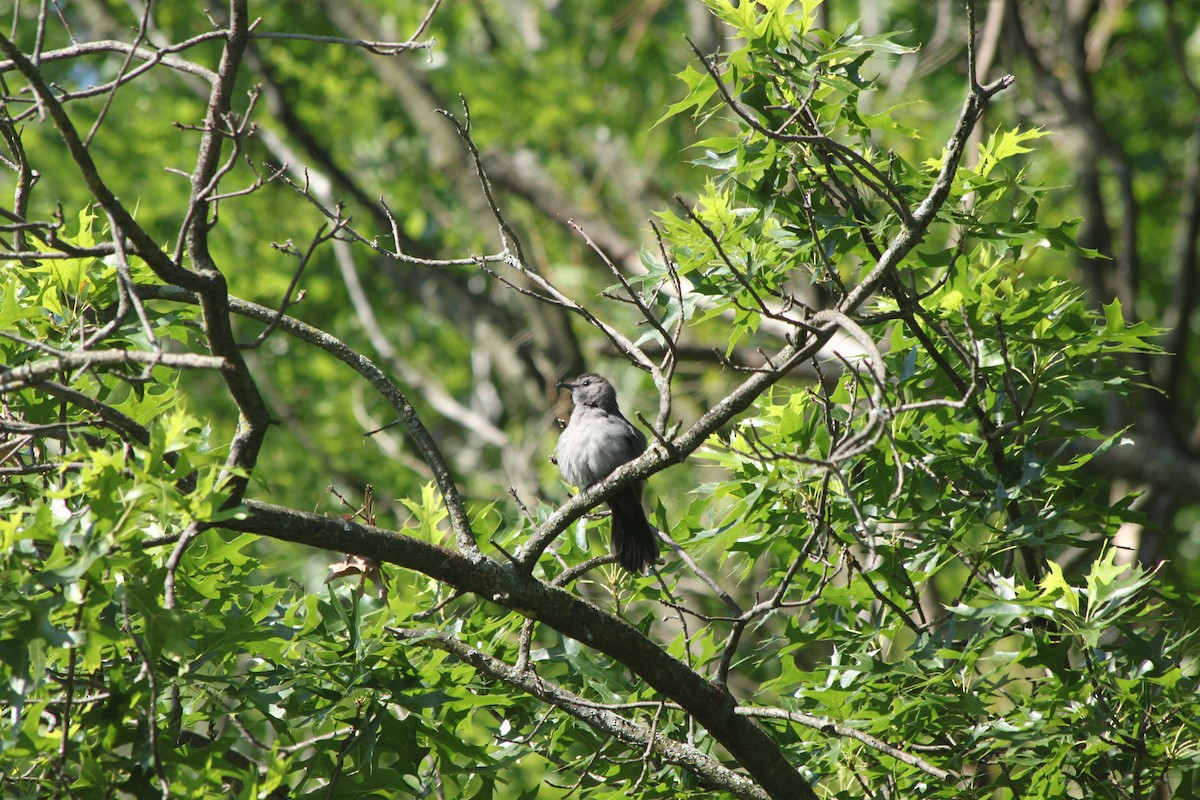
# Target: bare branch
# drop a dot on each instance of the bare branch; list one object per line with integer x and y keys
{"x": 829, "y": 726}
{"x": 377, "y": 48}
{"x": 319, "y": 238}
{"x": 116, "y": 83}
{"x": 429, "y": 387}
{"x": 416, "y": 430}
{"x": 38, "y": 371}
{"x": 159, "y": 55}
{"x": 146, "y": 246}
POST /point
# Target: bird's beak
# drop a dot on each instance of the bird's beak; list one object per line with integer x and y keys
{"x": 565, "y": 385}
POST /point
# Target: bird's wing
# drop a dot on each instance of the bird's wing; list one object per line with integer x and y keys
{"x": 636, "y": 439}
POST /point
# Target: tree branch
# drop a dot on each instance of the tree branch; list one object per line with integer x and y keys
{"x": 712, "y": 706}
{"x": 37, "y": 371}
{"x": 829, "y": 726}
{"x": 417, "y": 432}
{"x": 704, "y": 767}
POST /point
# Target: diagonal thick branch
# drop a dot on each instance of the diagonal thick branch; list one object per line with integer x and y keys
{"x": 710, "y": 772}
{"x": 711, "y": 705}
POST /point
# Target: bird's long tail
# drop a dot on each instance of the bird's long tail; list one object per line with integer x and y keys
{"x": 634, "y": 539}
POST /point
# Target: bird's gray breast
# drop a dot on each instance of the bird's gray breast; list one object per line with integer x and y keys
{"x": 594, "y": 444}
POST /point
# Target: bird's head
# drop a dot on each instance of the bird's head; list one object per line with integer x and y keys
{"x": 590, "y": 389}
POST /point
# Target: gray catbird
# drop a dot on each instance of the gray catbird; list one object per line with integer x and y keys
{"x": 596, "y": 441}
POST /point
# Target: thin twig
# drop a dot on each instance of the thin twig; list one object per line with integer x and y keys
{"x": 152, "y": 701}
{"x": 829, "y": 726}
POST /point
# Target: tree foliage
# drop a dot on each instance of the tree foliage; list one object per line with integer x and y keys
{"x": 905, "y": 551}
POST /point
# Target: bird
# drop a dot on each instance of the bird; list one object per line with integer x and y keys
{"x": 597, "y": 440}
